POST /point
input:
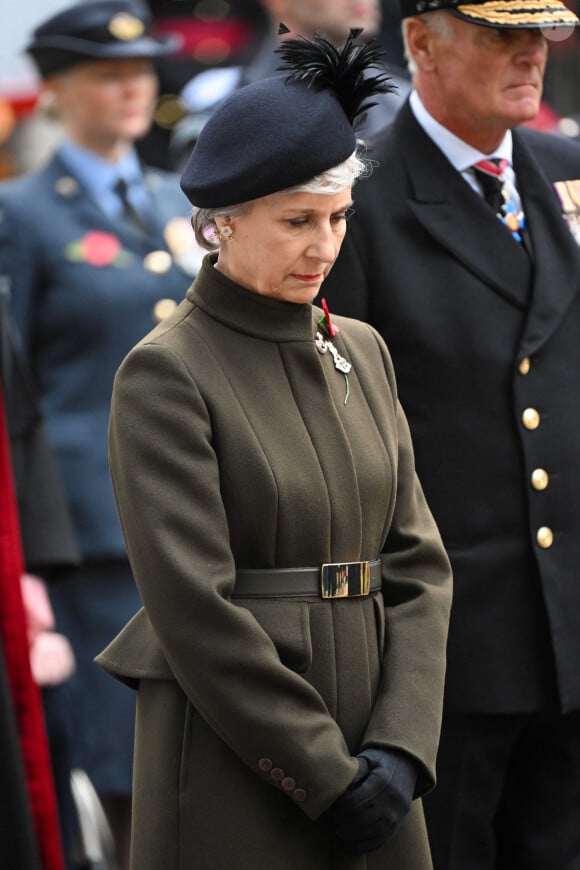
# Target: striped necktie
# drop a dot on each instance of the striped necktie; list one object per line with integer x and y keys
{"x": 490, "y": 174}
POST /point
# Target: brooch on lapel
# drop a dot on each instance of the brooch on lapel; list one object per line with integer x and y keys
{"x": 569, "y": 196}
{"x": 324, "y": 344}
{"x": 98, "y": 249}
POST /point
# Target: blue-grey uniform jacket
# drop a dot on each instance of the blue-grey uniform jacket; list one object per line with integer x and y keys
{"x": 84, "y": 288}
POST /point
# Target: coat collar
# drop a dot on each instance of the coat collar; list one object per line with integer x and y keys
{"x": 248, "y": 312}
{"x": 69, "y": 188}
{"x": 441, "y": 198}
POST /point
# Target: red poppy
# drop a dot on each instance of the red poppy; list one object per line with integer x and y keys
{"x": 332, "y": 329}
{"x": 100, "y": 249}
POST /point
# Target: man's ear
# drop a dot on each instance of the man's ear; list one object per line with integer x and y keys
{"x": 420, "y": 42}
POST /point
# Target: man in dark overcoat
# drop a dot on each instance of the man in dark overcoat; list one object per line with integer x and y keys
{"x": 479, "y": 303}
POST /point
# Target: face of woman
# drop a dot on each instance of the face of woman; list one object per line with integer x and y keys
{"x": 284, "y": 246}
{"x": 106, "y": 103}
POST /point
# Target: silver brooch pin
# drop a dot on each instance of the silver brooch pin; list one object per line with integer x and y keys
{"x": 340, "y": 363}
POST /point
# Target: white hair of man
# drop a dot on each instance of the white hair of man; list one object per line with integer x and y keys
{"x": 329, "y": 182}
{"x": 438, "y": 22}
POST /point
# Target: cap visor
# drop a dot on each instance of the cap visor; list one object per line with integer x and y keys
{"x": 521, "y": 14}
{"x": 147, "y": 47}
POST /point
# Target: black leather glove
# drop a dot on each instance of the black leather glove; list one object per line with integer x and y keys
{"x": 376, "y": 802}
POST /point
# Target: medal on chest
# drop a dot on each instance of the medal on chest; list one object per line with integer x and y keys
{"x": 569, "y": 196}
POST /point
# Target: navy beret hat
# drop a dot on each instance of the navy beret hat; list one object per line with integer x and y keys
{"x": 98, "y": 30}
{"x": 500, "y": 14}
{"x": 282, "y": 131}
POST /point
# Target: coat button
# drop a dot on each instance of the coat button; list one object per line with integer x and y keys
{"x": 531, "y": 418}
{"x": 545, "y": 537}
{"x": 163, "y": 308}
{"x": 66, "y": 185}
{"x": 524, "y": 366}
{"x": 299, "y": 795}
{"x": 158, "y": 262}
{"x": 265, "y": 764}
{"x": 540, "y": 478}
{"x": 288, "y": 784}
{"x": 277, "y": 774}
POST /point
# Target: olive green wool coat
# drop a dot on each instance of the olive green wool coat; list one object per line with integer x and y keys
{"x": 235, "y": 443}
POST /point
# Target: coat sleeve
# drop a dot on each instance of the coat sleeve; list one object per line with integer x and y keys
{"x": 166, "y": 479}
{"x": 48, "y": 538}
{"x": 21, "y": 260}
{"x": 417, "y": 591}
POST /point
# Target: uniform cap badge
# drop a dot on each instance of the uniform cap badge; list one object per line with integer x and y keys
{"x": 126, "y": 27}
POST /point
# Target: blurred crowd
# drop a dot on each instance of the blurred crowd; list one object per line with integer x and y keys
{"x": 218, "y": 38}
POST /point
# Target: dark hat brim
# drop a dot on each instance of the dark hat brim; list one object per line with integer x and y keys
{"x": 517, "y": 14}
{"x": 146, "y": 47}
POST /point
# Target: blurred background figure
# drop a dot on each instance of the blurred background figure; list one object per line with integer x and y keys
{"x": 94, "y": 250}
{"x": 333, "y": 18}
{"x": 213, "y": 33}
{"x": 36, "y": 535}
{"x": 210, "y": 33}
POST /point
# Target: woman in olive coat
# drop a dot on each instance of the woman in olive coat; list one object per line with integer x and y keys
{"x": 289, "y": 658}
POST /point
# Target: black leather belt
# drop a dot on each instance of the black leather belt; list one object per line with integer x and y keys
{"x": 332, "y": 580}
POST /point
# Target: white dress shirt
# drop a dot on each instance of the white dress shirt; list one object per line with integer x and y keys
{"x": 463, "y": 156}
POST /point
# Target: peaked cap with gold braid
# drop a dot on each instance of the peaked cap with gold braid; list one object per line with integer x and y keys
{"x": 528, "y": 14}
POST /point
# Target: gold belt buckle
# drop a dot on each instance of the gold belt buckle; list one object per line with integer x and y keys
{"x": 345, "y": 579}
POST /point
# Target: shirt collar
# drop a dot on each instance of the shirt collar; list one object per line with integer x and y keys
{"x": 459, "y": 153}
{"x": 94, "y": 173}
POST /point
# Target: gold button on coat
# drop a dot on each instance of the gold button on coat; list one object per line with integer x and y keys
{"x": 300, "y": 795}
{"x": 158, "y": 262}
{"x": 531, "y": 418}
{"x": 66, "y": 185}
{"x": 540, "y": 478}
{"x": 524, "y": 365}
{"x": 277, "y": 774}
{"x": 545, "y": 537}
{"x": 265, "y": 764}
{"x": 163, "y": 308}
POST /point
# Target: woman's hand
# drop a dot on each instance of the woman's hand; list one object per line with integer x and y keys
{"x": 375, "y": 804}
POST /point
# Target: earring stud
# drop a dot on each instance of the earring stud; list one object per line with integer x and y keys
{"x": 225, "y": 233}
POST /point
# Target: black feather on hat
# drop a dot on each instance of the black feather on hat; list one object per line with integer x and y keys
{"x": 282, "y": 131}
{"x": 345, "y": 71}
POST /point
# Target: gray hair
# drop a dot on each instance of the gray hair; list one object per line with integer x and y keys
{"x": 438, "y": 22}
{"x": 328, "y": 182}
